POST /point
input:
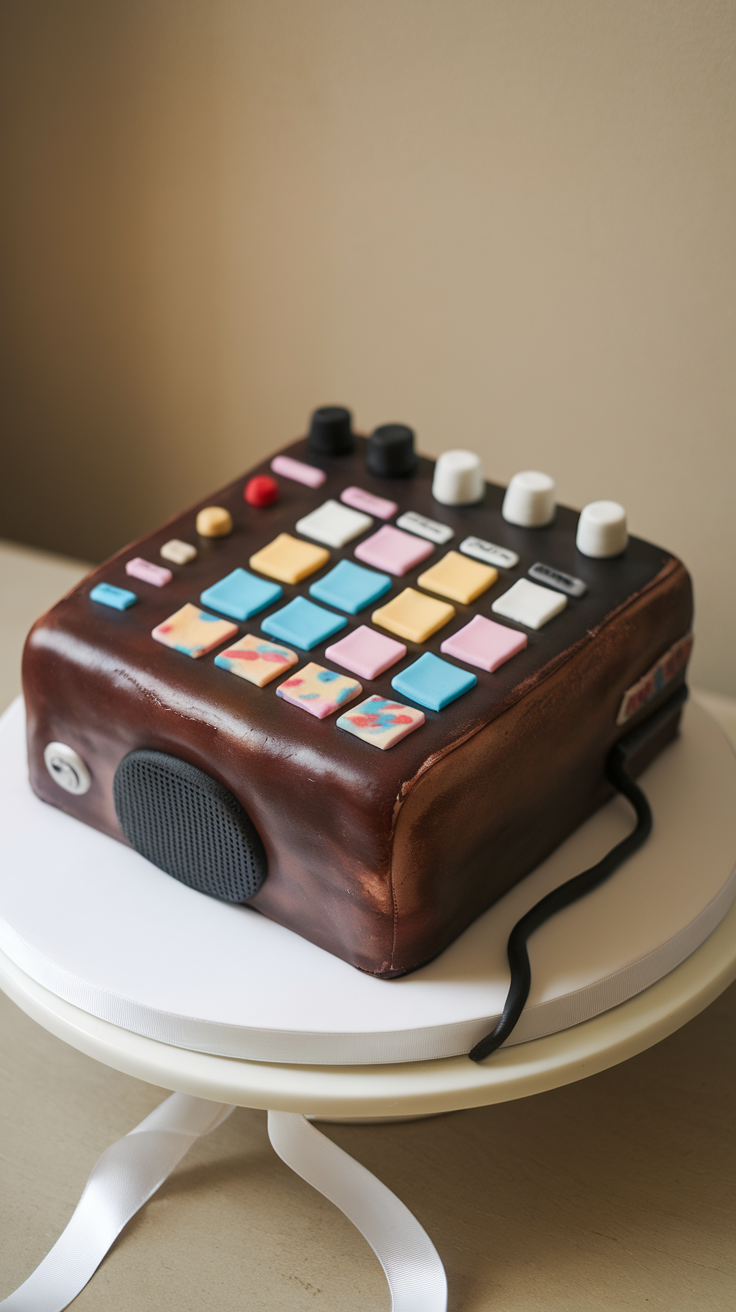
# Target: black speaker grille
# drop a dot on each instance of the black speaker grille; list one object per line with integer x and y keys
{"x": 188, "y": 825}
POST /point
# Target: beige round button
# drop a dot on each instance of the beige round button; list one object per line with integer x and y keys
{"x": 214, "y": 522}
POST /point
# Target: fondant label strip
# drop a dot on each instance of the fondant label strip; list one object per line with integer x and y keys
{"x": 655, "y": 679}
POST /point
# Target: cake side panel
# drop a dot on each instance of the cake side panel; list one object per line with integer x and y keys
{"x": 486, "y": 815}
{"x": 327, "y": 840}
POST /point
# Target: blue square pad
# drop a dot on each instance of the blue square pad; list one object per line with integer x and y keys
{"x": 432, "y": 682}
{"x": 350, "y": 587}
{"x": 241, "y": 595}
{"x": 109, "y": 595}
{"x": 302, "y": 623}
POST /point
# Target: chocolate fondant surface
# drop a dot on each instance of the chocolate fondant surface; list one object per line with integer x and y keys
{"x": 380, "y": 857}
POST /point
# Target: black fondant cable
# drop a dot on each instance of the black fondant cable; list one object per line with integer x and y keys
{"x": 559, "y": 898}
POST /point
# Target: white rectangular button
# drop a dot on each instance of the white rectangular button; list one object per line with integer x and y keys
{"x": 425, "y": 528}
{"x": 489, "y": 553}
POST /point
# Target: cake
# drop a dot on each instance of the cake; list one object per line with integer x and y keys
{"x": 360, "y": 691}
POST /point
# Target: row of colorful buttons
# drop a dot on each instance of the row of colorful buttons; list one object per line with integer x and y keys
{"x": 480, "y": 643}
{"x": 429, "y": 681}
{"x": 411, "y": 614}
{"x": 349, "y": 587}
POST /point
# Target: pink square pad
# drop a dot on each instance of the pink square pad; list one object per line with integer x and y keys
{"x": 484, "y": 643}
{"x": 366, "y": 652}
{"x": 393, "y": 550}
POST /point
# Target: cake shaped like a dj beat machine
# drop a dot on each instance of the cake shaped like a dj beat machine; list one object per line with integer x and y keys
{"x": 363, "y": 692}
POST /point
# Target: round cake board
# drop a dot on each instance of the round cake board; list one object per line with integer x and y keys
{"x": 129, "y": 965}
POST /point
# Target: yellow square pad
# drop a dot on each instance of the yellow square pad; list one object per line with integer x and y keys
{"x": 288, "y": 559}
{"x": 458, "y": 578}
{"x": 412, "y": 615}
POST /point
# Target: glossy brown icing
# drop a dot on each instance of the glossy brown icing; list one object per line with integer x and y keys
{"x": 380, "y": 857}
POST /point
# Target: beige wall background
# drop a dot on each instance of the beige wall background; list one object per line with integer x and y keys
{"x": 509, "y": 223}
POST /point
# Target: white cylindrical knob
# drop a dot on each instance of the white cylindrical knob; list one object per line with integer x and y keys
{"x": 458, "y": 479}
{"x": 602, "y": 529}
{"x": 529, "y": 499}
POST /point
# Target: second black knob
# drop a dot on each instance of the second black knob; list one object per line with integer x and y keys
{"x": 331, "y": 432}
{"x": 390, "y": 452}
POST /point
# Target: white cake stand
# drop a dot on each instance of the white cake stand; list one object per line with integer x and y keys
{"x": 687, "y": 885}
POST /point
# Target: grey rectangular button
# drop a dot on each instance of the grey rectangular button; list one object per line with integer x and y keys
{"x": 489, "y": 553}
{"x": 425, "y": 528}
{"x": 554, "y": 578}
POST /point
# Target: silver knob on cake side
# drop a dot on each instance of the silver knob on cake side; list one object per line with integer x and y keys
{"x": 67, "y": 768}
{"x": 602, "y": 530}
{"x": 529, "y": 499}
{"x": 458, "y": 479}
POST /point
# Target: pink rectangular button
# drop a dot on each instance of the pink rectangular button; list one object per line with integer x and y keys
{"x": 309, "y": 475}
{"x": 391, "y": 550}
{"x": 158, "y": 575}
{"x": 366, "y": 652}
{"x": 484, "y": 643}
{"x": 360, "y": 500}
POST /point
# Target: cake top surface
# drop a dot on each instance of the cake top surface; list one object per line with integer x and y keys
{"x": 416, "y": 633}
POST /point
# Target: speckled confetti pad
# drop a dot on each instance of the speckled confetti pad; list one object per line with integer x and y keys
{"x": 319, "y": 691}
{"x": 193, "y": 631}
{"x": 256, "y": 660}
{"x": 381, "y": 723}
{"x": 288, "y": 559}
{"x": 413, "y": 616}
{"x": 458, "y": 578}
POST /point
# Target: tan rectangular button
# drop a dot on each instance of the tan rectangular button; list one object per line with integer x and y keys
{"x": 412, "y": 615}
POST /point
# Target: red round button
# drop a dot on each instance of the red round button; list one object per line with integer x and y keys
{"x": 261, "y": 491}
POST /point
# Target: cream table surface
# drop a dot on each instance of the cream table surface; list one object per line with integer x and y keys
{"x": 614, "y": 1192}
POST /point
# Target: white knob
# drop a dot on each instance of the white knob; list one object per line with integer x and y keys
{"x": 602, "y": 529}
{"x": 458, "y": 479}
{"x": 530, "y": 499}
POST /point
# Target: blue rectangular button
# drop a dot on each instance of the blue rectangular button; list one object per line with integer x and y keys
{"x": 350, "y": 587}
{"x": 433, "y": 682}
{"x": 303, "y": 624}
{"x": 108, "y": 595}
{"x": 241, "y": 594}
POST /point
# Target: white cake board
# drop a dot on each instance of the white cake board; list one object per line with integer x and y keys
{"x": 124, "y": 962}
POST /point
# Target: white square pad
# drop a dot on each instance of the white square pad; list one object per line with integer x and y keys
{"x": 530, "y": 605}
{"x": 333, "y": 524}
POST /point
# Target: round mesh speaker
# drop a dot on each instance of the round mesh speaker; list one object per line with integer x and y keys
{"x": 188, "y": 825}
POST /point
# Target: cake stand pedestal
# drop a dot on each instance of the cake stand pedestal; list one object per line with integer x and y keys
{"x": 208, "y": 1084}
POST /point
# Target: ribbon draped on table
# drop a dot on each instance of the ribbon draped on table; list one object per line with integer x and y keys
{"x": 131, "y": 1171}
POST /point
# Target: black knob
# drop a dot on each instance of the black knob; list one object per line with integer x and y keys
{"x": 331, "y": 432}
{"x": 390, "y": 452}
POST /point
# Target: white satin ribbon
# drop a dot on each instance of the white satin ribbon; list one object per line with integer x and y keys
{"x": 132, "y": 1169}
{"x": 410, "y": 1261}
{"x": 124, "y": 1178}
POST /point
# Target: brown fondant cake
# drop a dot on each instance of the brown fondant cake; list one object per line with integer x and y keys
{"x": 364, "y": 711}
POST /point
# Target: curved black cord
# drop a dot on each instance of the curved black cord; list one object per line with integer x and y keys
{"x": 559, "y": 898}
